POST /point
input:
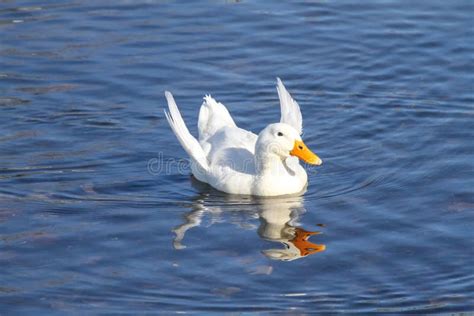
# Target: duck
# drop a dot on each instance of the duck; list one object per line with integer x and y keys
{"x": 237, "y": 161}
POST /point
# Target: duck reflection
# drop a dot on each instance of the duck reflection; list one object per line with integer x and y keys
{"x": 278, "y": 223}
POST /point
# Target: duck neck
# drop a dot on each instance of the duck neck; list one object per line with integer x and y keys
{"x": 267, "y": 163}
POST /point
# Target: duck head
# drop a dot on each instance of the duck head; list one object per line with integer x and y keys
{"x": 282, "y": 140}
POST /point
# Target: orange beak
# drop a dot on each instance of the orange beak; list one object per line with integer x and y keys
{"x": 301, "y": 151}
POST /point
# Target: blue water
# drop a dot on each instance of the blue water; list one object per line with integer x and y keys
{"x": 99, "y": 214}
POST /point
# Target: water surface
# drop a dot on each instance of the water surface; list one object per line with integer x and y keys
{"x": 99, "y": 213}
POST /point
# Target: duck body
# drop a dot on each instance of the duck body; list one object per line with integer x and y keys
{"x": 237, "y": 161}
{"x": 235, "y": 169}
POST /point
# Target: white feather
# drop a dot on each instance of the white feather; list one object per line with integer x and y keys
{"x": 290, "y": 110}
{"x": 189, "y": 143}
{"x": 213, "y": 116}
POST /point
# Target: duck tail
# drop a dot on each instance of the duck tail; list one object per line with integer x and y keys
{"x": 187, "y": 141}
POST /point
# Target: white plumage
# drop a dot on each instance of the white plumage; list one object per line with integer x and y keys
{"x": 237, "y": 161}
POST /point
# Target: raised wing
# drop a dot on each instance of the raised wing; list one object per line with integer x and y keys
{"x": 189, "y": 143}
{"x": 290, "y": 110}
{"x": 213, "y": 116}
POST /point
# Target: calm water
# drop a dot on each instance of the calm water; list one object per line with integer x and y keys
{"x": 99, "y": 213}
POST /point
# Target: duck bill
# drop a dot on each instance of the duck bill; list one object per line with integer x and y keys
{"x": 301, "y": 151}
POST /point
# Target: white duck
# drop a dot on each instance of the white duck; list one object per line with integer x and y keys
{"x": 236, "y": 161}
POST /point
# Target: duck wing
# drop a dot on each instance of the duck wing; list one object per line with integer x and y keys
{"x": 213, "y": 116}
{"x": 233, "y": 147}
{"x": 189, "y": 143}
{"x": 290, "y": 110}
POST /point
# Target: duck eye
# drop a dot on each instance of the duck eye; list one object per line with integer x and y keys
{"x": 280, "y": 134}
